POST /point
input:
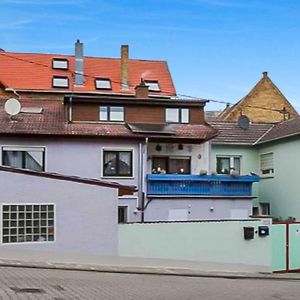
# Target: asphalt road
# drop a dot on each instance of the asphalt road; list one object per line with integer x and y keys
{"x": 23, "y": 283}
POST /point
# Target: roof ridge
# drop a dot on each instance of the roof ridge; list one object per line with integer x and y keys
{"x": 85, "y": 56}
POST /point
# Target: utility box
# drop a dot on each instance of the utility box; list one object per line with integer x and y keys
{"x": 263, "y": 230}
{"x": 248, "y": 233}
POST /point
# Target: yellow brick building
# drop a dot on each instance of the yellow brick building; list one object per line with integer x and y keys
{"x": 264, "y": 103}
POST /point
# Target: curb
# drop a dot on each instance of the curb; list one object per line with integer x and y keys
{"x": 147, "y": 270}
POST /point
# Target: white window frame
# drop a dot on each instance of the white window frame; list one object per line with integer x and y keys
{"x": 63, "y": 63}
{"x": 153, "y": 85}
{"x": 32, "y": 242}
{"x": 271, "y": 172}
{"x": 231, "y": 161}
{"x": 23, "y": 148}
{"x": 62, "y": 86}
{"x": 109, "y": 114}
{"x": 104, "y": 80}
{"x": 179, "y": 115}
{"x": 117, "y": 149}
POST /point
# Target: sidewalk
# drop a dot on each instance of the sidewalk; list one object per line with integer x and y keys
{"x": 46, "y": 260}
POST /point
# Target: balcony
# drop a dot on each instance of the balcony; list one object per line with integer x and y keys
{"x": 217, "y": 186}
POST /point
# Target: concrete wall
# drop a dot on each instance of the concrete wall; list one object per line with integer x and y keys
{"x": 215, "y": 242}
{"x": 159, "y": 209}
{"x": 85, "y": 215}
{"x": 282, "y": 189}
{"x": 249, "y": 161}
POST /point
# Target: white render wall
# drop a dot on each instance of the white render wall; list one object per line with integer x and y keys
{"x": 199, "y": 154}
{"x": 77, "y": 156}
{"x": 159, "y": 209}
{"x": 85, "y": 215}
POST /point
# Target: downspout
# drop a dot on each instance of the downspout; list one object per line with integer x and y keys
{"x": 142, "y": 178}
{"x": 70, "y": 110}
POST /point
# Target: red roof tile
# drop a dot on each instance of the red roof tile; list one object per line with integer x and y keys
{"x": 34, "y": 72}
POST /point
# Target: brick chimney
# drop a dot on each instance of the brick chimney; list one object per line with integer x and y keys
{"x": 79, "y": 77}
{"x": 124, "y": 67}
{"x": 265, "y": 74}
{"x": 142, "y": 90}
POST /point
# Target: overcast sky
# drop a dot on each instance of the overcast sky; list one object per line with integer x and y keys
{"x": 216, "y": 49}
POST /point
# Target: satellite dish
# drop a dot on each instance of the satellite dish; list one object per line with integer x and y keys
{"x": 244, "y": 122}
{"x": 12, "y": 106}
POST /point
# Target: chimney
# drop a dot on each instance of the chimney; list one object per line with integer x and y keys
{"x": 265, "y": 74}
{"x": 141, "y": 90}
{"x": 124, "y": 67}
{"x": 79, "y": 77}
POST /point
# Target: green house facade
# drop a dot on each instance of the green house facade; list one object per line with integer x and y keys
{"x": 270, "y": 151}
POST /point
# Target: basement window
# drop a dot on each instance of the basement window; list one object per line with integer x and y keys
{"x": 153, "y": 85}
{"x": 60, "y": 81}
{"x": 265, "y": 208}
{"x": 26, "y": 223}
{"x": 60, "y": 63}
{"x": 103, "y": 84}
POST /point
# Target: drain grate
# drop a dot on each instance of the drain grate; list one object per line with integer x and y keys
{"x": 27, "y": 290}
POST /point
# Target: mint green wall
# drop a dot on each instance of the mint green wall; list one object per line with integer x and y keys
{"x": 249, "y": 161}
{"x": 283, "y": 189}
{"x": 215, "y": 242}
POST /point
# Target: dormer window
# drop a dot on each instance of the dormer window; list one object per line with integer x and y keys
{"x": 153, "y": 85}
{"x": 60, "y": 63}
{"x": 60, "y": 82}
{"x": 177, "y": 115}
{"x": 103, "y": 84}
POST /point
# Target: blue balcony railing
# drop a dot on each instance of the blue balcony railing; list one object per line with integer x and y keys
{"x": 197, "y": 185}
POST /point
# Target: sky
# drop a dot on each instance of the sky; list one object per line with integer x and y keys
{"x": 215, "y": 49}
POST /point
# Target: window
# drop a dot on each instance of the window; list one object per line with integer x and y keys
{"x": 103, "y": 83}
{"x": 60, "y": 81}
{"x": 25, "y": 158}
{"x": 60, "y": 63}
{"x": 227, "y": 163}
{"x": 122, "y": 214}
{"x": 153, "y": 85}
{"x": 27, "y": 223}
{"x": 177, "y": 115}
{"x": 117, "y": 163}
{"x": 111, "y": 113}
{"x": 265, "y": 209}
{"x": 171, "y": 165}
{"x": 267, "y": 164}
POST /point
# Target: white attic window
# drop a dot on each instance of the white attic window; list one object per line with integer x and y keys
{"x": 60, "y": 63}
{"x": 103, "y": 84}
{"x": 60, "y": 82}
{"x": 153, "y": 85}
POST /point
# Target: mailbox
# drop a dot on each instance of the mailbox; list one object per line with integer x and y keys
{"x": 248, "y": 233}
{"x": 263, "y": 230}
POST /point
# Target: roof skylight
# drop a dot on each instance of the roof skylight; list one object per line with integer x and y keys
{"x": 103, "y": 84}
{"x": 153, "y": 85}
{"x": 60, "y": 81}
{"x": 60, "y": 63}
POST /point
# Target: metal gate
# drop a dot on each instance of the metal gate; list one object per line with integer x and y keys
{"x": 286, "y": 247}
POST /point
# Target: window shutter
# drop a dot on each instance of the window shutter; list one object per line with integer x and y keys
{"x": 267, "y": 162}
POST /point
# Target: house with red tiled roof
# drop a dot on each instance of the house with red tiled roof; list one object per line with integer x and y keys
{"x": 116, "y": 119}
